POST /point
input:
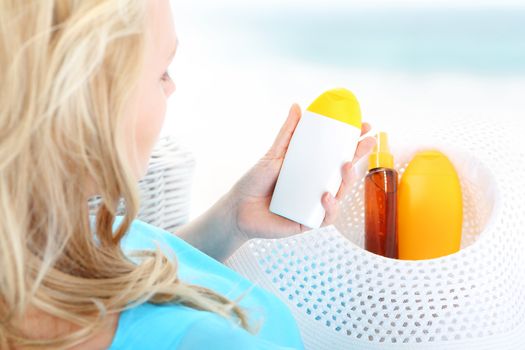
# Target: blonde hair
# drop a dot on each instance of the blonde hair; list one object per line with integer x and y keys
{"x": 67, "y": 71}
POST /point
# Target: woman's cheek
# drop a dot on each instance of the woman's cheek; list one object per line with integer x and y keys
{"x": 150, "y": 119}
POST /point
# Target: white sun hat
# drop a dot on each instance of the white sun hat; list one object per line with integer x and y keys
{"x": 344, "y": 297}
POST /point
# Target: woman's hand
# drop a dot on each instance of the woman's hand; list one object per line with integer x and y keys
{"x": 243, "y": 212}
{"x": 250, "y": 197}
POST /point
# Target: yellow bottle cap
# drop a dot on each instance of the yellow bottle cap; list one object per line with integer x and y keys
{"x": 339, "y": 104}
{"x": 381, "y": 156}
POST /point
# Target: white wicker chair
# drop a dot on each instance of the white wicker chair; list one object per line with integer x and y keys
{"x": 165, "y": 189}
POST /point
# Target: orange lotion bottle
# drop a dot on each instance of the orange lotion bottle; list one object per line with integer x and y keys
{"x": 381, "y": 201}
{"x": 430, "y": 208}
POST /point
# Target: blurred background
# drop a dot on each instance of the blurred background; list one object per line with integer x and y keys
{"x": 241, "y": 64}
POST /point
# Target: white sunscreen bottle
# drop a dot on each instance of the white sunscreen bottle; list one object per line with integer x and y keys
{"x": 325, "y": 138}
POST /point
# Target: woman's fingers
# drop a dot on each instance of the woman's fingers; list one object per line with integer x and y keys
{"x": 365, "y": 127}
{"x": 347, "y": 179}
{"x": 331, "y": 206}
{"x": 348, "y": 174}
{"x": 366, "y": 145}
{"x": 363, "y": 148}
{"x": 280, "y": 145}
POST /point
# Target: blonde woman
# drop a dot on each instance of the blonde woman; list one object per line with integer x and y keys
{"x": 82, "y": 101}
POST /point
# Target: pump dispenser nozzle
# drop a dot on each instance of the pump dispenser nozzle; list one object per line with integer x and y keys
{"x": 381, "y": 156}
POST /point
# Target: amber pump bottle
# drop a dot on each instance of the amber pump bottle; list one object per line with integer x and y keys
{"x": 381, "y": 201}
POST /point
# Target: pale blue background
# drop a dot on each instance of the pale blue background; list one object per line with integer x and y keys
{"x": 242, "y": 63}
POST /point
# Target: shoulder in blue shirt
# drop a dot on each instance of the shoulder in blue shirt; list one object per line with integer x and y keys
{"x": 159, "y": 327}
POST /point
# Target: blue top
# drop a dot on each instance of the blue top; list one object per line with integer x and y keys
{"x": 160, "y": 327}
